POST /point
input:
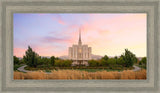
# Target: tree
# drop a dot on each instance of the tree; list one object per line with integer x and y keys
{"x": 40, "y": 61}
{"x": 93, "y": 63}
{"x": 31, "y": 58}
{"x": 58, "y": 63}
{"x": 16, "y": 60}
{"x": 116, "y": 58}
{"x": 129, "y": 58}
{"x": 22, "y": 61}
{"x": 62, "y": 63}
{"x": 56, "y": 58}
{"x": 105, "y": 57}
{"x": 104, "y": 62}
{"x": 111, "y": 61}
{"x": 120, "y": 61}
{"x": 52, "y": 60}
{"x": 67, "y": 63}
{"x": 143, "y": 61}
{"x": 46, "y": 62}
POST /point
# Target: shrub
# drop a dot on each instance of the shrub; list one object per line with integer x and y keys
{"x": 143, "y": 62}
{"x": 120, "y": 61}
{"x": 93, "y": 63}
{"x": 67, "y": 63}
{"x": 111, "y": 62}
{"x": 63, "y": 63}
{"x": 103, "y": 62}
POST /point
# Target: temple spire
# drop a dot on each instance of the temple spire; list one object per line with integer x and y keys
{"x": 80, "y": 42}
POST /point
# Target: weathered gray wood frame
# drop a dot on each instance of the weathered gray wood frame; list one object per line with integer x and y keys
{"x": 8, "y": 7}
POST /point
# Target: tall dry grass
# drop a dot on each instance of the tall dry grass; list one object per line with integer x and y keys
{"x": 76, "y": 74}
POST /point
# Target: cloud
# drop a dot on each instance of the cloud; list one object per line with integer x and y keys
{"x": 19, "y": 52}
{"x": 116, "y": 33}
{"x": 59, "y": 19}
{"x": 57, "y": 39}
{"x": 105, "y": 33}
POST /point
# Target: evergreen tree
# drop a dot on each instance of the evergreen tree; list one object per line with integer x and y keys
{"x": 129, "y": 58}
{"x": 31, "y": 58}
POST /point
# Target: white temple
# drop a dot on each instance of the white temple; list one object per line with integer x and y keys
{"x": 79, "y": 54}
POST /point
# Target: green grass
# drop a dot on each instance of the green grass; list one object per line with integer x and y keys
{"x": 91, "y": 70}
{"x": 47, "y": 70}
{"x": 141, "y": 66}
{"x": 95, "y": 70}
{"x": 84, "y": 68}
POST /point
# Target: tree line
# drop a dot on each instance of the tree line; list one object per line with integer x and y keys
{"x": 32, "y": 59}
{"x": 125, "y": 60}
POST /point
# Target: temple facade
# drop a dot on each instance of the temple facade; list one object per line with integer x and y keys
{"x": 79, "y": 53}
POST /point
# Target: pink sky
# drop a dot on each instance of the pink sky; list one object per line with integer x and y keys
{"x": 107, "y": 34}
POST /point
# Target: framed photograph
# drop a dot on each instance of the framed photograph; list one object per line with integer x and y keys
{"x": 80, "y": 46}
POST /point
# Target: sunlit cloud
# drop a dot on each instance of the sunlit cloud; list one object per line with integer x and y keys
{"x": 19, "y": 52}
{"x": 107, "y": 34}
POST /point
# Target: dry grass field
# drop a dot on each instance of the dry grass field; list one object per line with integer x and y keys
{"x": 77, "y": 74}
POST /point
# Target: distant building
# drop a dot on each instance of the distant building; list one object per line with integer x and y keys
{"x": 80, "y": 54}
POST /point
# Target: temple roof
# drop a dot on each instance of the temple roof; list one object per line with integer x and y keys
{"x": 79, "y": 42}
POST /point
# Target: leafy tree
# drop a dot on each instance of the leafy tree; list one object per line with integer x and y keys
{"x": 105, "y": 57}
{"x": 129, "y": 58}
{"x": 143, "y": 61}
{"x": 16, "y": 60}
{"x": 45, "y": 61}
{"x": 31, "y": 58}
{"x": 56, "y": 58}
{"x": 62, "y": 63}
{"x": 99, "y": 63}
{"x": 58, "y": 63}
{"x": 116, "y": 58}
{"x": 22, "y": 61}
{"x": 40, "y": 61}
{"x": 112, "y": 61}
{"x": 52, "y": 60}
{"x": 103, "y": 62}
{"x": 93, "y": 63}
{"x": 140, "y": 63}
{"x": 120, "y": 61}
{"x": 67, "y": 63}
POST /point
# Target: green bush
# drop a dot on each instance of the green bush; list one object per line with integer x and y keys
{"x": 103, "y": 62}
{"x": 120, "y": 61}
{"x": 62, "y": 63}
{"x": 93, "y": 63}
{"x": 143, "y": 62}
{"x": 111, "y": 62}
{"x": 67, "y": 63}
